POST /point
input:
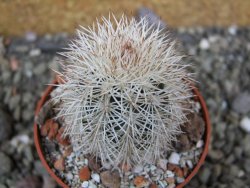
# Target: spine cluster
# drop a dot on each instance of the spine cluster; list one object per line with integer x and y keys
{"x": 124, "y": 91}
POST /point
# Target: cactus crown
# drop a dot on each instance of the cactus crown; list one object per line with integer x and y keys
{"x": 124, "y": 90}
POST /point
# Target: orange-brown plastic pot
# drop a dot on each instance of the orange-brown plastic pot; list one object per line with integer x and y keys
{"x": 199, "y": 98}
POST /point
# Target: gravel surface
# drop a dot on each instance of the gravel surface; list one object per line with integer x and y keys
{"x": 220, "y": 58}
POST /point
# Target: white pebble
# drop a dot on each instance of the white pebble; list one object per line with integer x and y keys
{"x": 96, "y": 177}
{"x": 171, "y": 185}
{"x": 204, "y": 44}
{"x": 169, "y": 173}
{"x": 69, "y": 176}
{"x": 190, "y": 164}
{"x": 92, "y": 185}
{"x": 161, "y": 184}
{"x": 180, "y": 180}
{"x": 138, "y": 169}
{"x": 152, "y": 168}
{"x": 162, "y": 163}
{"x": 232, "y": 30}
{"x": 85, "y": 184}
{"x": 200, "y": 143}
{"x": 35, "y": 52}
{"x": 245, "y": 124}
{"x": 174, "y": 158}
{"x": 106, "y": 165}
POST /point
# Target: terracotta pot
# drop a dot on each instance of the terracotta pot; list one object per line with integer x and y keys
{"x": 37, "y": 137}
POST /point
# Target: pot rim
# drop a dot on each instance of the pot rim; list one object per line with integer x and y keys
{"x": 207, "y": 136}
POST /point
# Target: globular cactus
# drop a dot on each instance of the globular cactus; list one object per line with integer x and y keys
{"x": 124, "y": 91}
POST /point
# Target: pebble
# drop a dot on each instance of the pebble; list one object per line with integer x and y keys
{"x": 162, "y": 163}
{"x": 241, "y": 103}
{"x": 92, "y": 185}
{"x": 95, "y": 177}
{"x": 245, "y": 124}
{"x": 30, "y": 181}
{"x": 190, "y": 164}
{"x": 30, "y": 36}
{"x": 174, "y": 158}
{"x": 35, "y": 52}
{"x": 180, "y": 180}
{"x": 232, "y": 30}
{"x": 5, "y": 164}
{"x": 138, "y": 169}
{"x": 200, "y": 143}
{"x": 60, "y": 164}
{"x": 204, "y": 175}
{"x": 140, "y": 182}
{"x": 6, "y": 129}
{"x": 94, "y": 164}
{"x": 85, "y": 184}
{"x": 69, "y": 176}
{"x": 84, "y": 173}
{"x": 204, "y": 44}
{"x": 110, "y": 179}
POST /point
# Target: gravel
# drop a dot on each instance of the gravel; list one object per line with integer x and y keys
{"x": 5, "y": 164}
{"x": 222, "y": 68}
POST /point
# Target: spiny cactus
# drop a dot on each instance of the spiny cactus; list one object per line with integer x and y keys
{"x": 123, "y": 94}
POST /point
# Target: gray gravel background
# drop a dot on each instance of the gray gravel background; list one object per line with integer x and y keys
{"x": 221, "y": 59}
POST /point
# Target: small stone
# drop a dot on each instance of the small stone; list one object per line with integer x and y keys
{"x": 14, "y": 64}
{"x": 232, "y": 30}
{"x": 200, "y": 143}
{"x": 169, "y": 173}
{"x": 96, "y": 177}
{"x": 162, "y": 163}
{"x": 153, "y": 185}
{"x": 140, "y": 181}
{"x": 138, "y": 169}
{"x": 241, "y": 103}
{"x": 94, "y": 164}
{"x": 204, "y": 175}
{"x": 59, "y": 164}
{"x": 204, "y": 44}
{"x": 64, "y": 141}
{"x": 5, "y": 126}
{"x": 49, "y": 182}
{"x": 190, "y": 164}
{"x": 35, "y": 52}
{"x": 171, "y": 186}
{"x": 45, "y": 129}
{"x": 92, "y": 185}
{"x": 174, "y": 158}
{"x": 5, "y": 164}
{"x": 85, "y": 184}
{"x": 107, "y": 165}
{"x": 194, "y": 128}
{"x": 110, "y": 179}
{"x": 183, "y": 143}
{"x": 30, "y": 36}
{"x": 245, "y": 124}
{"x": 84, "y": 173}
{"x": 185, "y": 171}
{"x": 67, "y": 151}
{"x": 179, "y": 172}
{"x": 69, "y": 176}
{"x": 180, "y": 180}
{"x": 31, "y": 182}
{"x": 152, "y": 168}
{"x": 170, "y": 180}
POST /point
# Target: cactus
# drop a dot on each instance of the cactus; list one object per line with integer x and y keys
{"x": 124, "y": 91}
